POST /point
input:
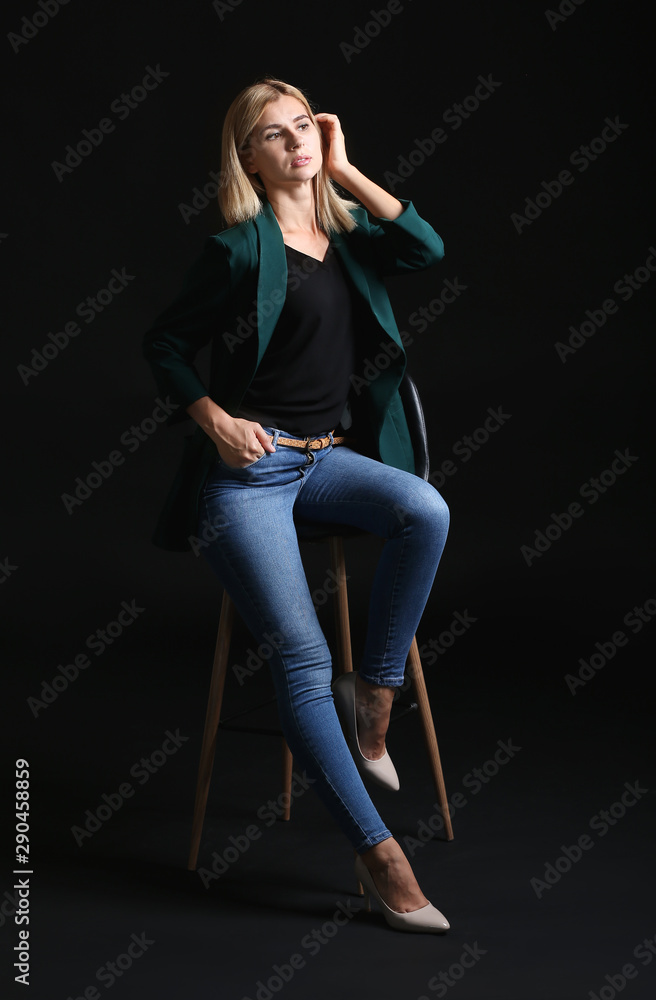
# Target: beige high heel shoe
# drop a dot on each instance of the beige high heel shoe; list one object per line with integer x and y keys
{"x": 426, "y": 919}
{"x": 382, "y": 771}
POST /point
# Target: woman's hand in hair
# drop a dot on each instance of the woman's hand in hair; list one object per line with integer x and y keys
{"x": 375, "y": 199}
{"x": 335, "y": 158}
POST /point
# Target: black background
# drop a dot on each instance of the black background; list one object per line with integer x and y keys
{"x": 66, "y": 574}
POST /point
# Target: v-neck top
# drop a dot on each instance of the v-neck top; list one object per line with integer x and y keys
{"x": 304, "y": 377}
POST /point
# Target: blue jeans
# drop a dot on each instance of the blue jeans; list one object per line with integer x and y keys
{"x": 255, "y": 555}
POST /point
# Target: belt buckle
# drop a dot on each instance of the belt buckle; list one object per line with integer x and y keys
{"x": 319, "y": 438}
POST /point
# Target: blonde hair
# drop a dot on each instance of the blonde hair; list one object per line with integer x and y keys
{"x": 240, "y": 192}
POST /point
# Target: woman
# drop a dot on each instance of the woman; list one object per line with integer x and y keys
{"x": 291, "y": 296}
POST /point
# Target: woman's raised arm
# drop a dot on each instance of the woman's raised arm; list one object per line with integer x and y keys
{"x": 375, "y": 199}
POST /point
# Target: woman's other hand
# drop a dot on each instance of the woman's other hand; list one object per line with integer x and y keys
{"x": 374, "y": 198}
{"x": 242, "y": 442}
{"x": 335, "y": 158}
{"x": 239, "y": 442}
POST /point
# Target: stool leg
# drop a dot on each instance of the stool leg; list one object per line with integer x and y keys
{"x": 360, "y": 888}
{"x": 342, "y": 625}
{"x": 211, "y": 725}
{"x": 417, "y": 675}
{"x": 287, "y": 764}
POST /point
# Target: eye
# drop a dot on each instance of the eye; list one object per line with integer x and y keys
{"x": 304, "y": 125}
{"x": 272, "y": 135}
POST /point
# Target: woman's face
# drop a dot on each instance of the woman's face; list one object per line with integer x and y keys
{"x": 285, "y": 146}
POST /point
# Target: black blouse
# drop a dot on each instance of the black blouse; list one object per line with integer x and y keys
{"x": 303, "y": 379}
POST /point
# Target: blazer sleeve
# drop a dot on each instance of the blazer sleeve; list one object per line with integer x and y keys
{"x": 186, "y": 325}
{"x": 407, "y": 243}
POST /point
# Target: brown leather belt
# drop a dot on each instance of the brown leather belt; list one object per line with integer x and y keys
{"x": 310, "y": 443}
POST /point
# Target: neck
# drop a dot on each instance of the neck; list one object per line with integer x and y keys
{"x": 294, "y": 208}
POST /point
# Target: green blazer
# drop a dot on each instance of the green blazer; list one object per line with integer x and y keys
{"x": 233, "y": 296}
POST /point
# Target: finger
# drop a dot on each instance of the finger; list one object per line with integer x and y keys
{"x": 264, "y": 439}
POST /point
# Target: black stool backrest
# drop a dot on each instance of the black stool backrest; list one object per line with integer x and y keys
{"x": 414, "y": 415}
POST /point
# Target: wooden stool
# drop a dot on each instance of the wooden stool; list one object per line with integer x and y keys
{"x": 344, "y": 664}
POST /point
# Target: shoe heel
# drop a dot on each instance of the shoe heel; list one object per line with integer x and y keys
{"x": 360, "y": 888}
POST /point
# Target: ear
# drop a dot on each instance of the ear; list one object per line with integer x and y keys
{"x": 246, "y": 157}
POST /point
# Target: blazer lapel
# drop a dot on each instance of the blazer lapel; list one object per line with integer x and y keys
{"x": 272, "y": 279}
{"x": 359, "y": 277}
{"x": 272, "y": 276}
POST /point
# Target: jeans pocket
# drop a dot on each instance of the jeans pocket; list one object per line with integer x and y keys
{"x": 271, "y": 432}
{"x": 241, "y": 468}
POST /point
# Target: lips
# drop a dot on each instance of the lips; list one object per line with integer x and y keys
{"x": 301, "y": 161}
